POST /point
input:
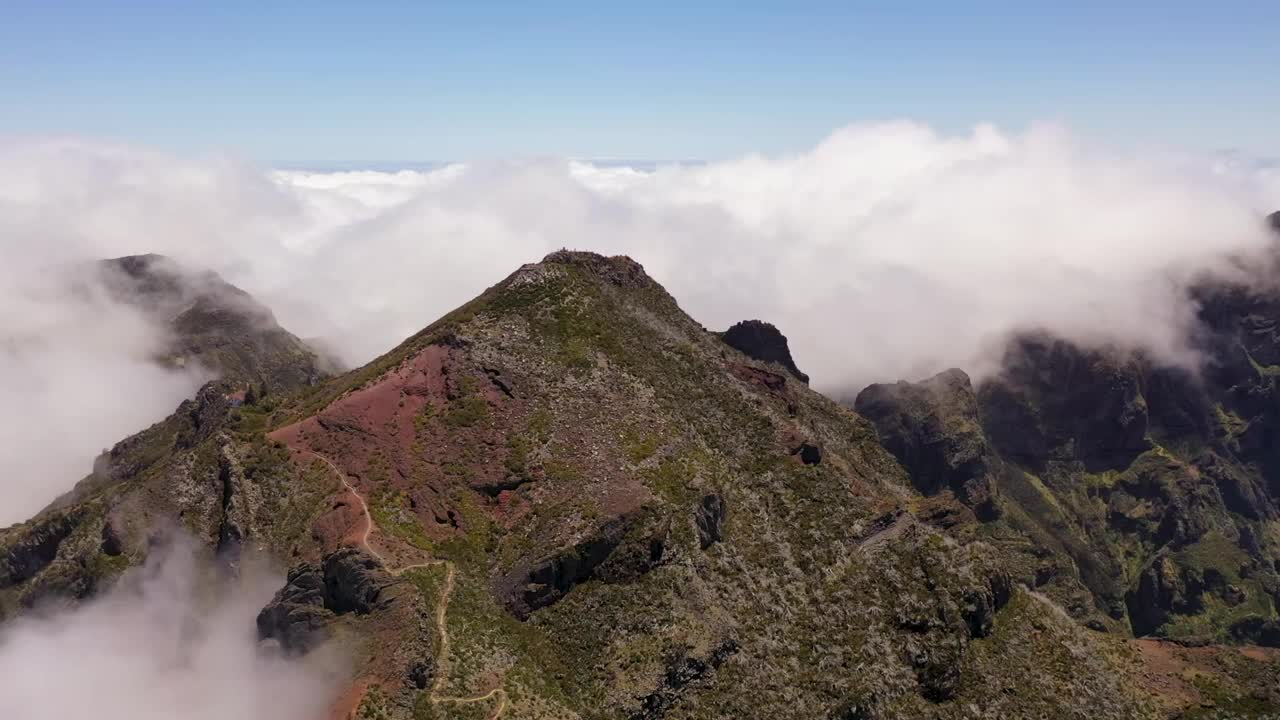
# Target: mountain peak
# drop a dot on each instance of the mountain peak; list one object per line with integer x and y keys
{"x": 618, "y": 270}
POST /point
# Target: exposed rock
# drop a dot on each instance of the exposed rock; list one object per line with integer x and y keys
{"x": 1257, "y": 630}
{"x": 856, "y": 710}
{"x": 710, "y": 520}
{"x": 933, "y": 429}
{"x": 618, "y": 551}
{"x": 231, "y": 532}
{"x": 496, "y": 486}
{"x": 1053, "y": 400}
{"x": 768, "y": 382}
{"x": 618, "y": 270}
{"x": 112, "y": 544}
{"x": 806, "y": 452}
{"x": 762, "y": 341}
{"x": 1163, "y": 588}
{"x": 979, "y": 607}
{"x": 422, "y": 672}
{"x": 1240, "y": 489}
{"x": 34, "y": 549}
{"x": 499, "y": 381}
{"x": 682, "y": 672}
{"x": 296, "y": 617}
{"x": 353, "y": 581}
{"x": 349, "y": 581}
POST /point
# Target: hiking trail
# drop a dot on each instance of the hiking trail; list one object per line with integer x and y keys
{"x": 441, "y": 609}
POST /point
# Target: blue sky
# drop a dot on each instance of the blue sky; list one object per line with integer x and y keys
{"x": 320, "y": 83}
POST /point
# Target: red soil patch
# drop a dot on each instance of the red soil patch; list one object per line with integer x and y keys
{"x": 344, "y": 525}
{"x": 1164, "y": 672}
{"x": 1168, "y": 669}
{"x": 347, "y": 704}
{"x": 435, "y": 424}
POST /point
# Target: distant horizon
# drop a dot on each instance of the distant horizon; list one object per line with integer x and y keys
{"x": 418, "y": 82}
{"x": 334, "y": 166}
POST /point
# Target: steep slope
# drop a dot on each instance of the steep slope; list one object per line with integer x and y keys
{"x": 183, "y": 469}
{"x": 1144, "y": 495}
{"x": 213, "y": 324}
{"x": 566, "y": 499}
{"x": 645, "y": 523}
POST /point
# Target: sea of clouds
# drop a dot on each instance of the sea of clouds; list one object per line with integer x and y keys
{"x": 885, "y": 252}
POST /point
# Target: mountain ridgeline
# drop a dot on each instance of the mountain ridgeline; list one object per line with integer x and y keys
{"x": 211, "y": 323}
{"x": 567, "y": 499}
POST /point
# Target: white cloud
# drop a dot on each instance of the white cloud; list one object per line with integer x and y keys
{"x": 76, "y": 376}
{"x": 175, "y": 639}
{"x": 886, "y": 251}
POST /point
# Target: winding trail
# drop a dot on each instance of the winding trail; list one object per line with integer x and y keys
{"x": 441, "y": 609}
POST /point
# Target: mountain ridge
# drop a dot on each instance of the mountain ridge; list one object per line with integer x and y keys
{"x": 638, "y": 519}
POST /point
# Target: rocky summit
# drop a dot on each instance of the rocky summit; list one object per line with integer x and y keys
{"x": 212, "y": 324}
{"x": 566, "y": 499}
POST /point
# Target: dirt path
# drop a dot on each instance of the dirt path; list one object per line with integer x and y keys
{"x": 441, "y": 609}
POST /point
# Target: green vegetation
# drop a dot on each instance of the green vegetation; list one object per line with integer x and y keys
{"x": 374, "y": 705}
{"x": 469, "y": 408}
{"x": 390, "y": 513}
{"x": 640, "y": 444}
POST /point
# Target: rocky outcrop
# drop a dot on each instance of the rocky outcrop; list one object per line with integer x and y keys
{"x": 933, "y": 429}
{"x": 349, "y": 580}
{"x": 354, "y": 581}
{"x": 709, "y": 518}
{"x": 112, "y": 543}
{"x": 682, "y": 673}
{"x": 762, "y": 341}
{"x": 34, "y": 549}
{"x": 1257, "y": 631}
{"x": 1163, "y": 589}
{"x": 618, "y": 551}
{"x": 618, "y": 270}
{"x": 1055, "y": 401}
{"x": 297, "y": 616}
{"x": 980, "y": 605}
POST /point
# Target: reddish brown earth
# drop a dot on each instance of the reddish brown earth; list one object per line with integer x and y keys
{"x": 1170, "y": 671}
{"x": 346, "y": 705}
{"x": 380, "y": 438}
{"x": 389, "y": 437}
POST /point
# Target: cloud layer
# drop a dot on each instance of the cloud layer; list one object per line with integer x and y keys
{"x": 76, "y": 376}
{"x": 174, "y": 639}
{"x": 887, "y": 251}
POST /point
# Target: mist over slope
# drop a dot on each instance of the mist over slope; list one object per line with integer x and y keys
{"x": 172, "y": 639}
{"x": 77, "y": 373}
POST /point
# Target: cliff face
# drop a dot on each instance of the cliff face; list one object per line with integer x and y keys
{"x": 1147, "y": 493}
{"x": 212, "y": 324}
{"x": 566, "y": 499}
